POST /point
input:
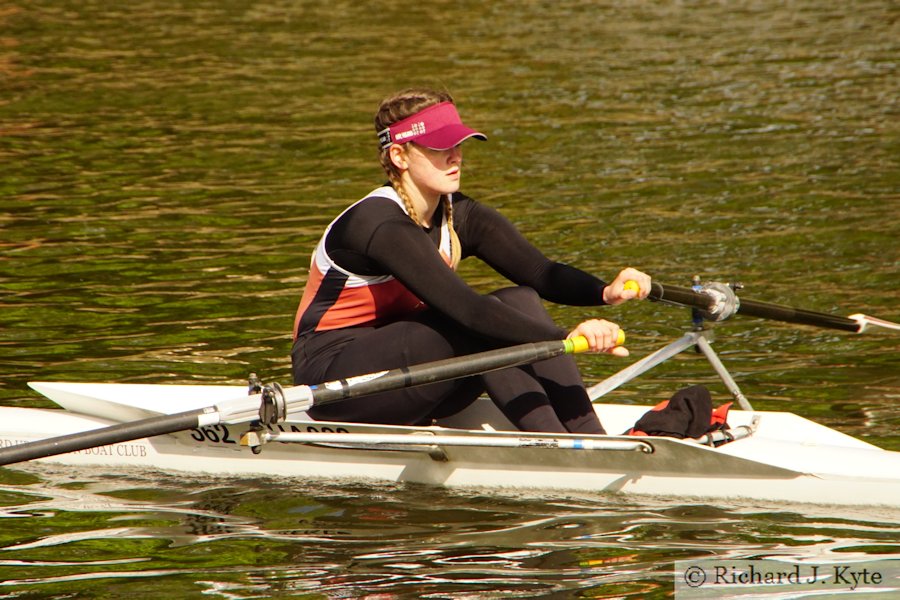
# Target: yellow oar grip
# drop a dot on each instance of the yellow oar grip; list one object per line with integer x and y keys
{"x": 576, "y": 344}
{"x": 579, "y": 343}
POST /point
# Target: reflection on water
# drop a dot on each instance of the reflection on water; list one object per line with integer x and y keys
{"x": 165, "y": 168}
{"x": 265, "y": 537}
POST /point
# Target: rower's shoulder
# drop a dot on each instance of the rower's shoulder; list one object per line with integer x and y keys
{"x": 376, "y": 208}
{"x": 470, "y": 211}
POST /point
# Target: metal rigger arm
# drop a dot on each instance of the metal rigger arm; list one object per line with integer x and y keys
{"x": 689, "y": 340}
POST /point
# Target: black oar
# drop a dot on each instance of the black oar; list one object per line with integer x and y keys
{"x": 720, "y": 302}
{"x": 297, "y": 399}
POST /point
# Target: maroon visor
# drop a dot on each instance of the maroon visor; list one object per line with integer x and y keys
{"x": 437, "y": 127}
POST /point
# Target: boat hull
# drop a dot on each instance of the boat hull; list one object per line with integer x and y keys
{"x": 788, "y": 459}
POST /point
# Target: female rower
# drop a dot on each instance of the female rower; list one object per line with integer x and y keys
{"x": 383, "y": 291}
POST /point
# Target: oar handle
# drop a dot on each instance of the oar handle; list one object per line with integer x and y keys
{"x": 579, "y": 343}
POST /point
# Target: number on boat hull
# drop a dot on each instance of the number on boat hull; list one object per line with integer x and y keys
{"x": 221, "y": 434}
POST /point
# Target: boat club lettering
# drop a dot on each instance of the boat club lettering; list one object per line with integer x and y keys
{"x": 9, "y": 443}
{"x": 125, "y": 450}
{"x": 135, "y": 450}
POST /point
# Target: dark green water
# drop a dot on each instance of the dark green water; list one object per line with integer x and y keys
{"x": 166, "y": 167}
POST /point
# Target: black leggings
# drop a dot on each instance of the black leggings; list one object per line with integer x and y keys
{"x": 545, "y": 396}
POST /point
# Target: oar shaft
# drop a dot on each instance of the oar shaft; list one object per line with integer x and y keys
{"x": 680, "y": 295}
{"x": 765, "y": 310}
{"x": 443, "y": 370}
{"x": 753, "y": 308}
{"x": 105, "y": 436}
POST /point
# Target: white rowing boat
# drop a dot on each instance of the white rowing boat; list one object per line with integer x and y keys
{"x": 777, "y": 456}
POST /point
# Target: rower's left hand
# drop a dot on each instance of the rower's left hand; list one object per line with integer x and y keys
{"x": 601, "y": 336}
{"x": 617, "y": 293}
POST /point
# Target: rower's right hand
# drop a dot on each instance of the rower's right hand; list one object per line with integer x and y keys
{"x": 629, "y": 284}
{"x": 601, "y": 336}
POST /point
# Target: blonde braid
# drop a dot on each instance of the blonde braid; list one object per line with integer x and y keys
{"x": 455, "y": 245}
{"x": 407, "y": 201}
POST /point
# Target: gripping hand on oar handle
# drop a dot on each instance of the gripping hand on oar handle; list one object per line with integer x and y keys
{"x": 600, "y": 336}
{"x": 629, "y": 284}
